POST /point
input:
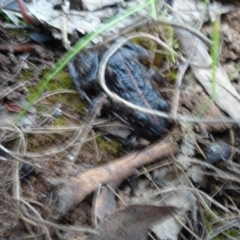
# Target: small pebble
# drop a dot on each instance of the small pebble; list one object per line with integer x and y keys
{"x": 217, "y": 151}
{"x": 26, "y": 171}
{"x": 41, "y": 37}
{"x": 57, "y": 111}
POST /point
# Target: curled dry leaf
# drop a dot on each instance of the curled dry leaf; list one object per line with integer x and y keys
{"x": 13, "y": 106}
{"x": 195, "y": 173}
{"x": 85, "y": 22}
{"x": 77, "y": 188}
{"x": 188, "y": 144}
{"x": 217, "y": 8}
{"x": 184, "y": 200}
{"x": 104, "y": 203}
{"x": 10, "y": 7}
{"x": 226, "y": 97}
{"x": 131, "y": 222}
{"x": 11, "y": 110}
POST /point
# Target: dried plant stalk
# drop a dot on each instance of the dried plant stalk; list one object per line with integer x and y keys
{"x": 77, "y": 188}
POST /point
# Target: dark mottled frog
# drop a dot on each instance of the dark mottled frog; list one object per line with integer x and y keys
{"x": 127, "y": 76}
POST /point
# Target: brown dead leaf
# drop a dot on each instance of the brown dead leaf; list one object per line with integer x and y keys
{"x": 13, "y": 107}
{"x": 9, "y": 112}
{"x": 227, "y": 98}
{"x": 131, "y": 222}
{"x": 104, "y": 204}
{"x": 76, "y": 188}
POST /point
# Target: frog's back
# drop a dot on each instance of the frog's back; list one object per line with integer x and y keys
{"x": 131, "y": 81}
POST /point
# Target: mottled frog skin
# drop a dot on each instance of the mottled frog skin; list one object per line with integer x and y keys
{"x": 127, "y": 76}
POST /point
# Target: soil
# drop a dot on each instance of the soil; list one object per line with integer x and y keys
{"x": 37, "y": 187}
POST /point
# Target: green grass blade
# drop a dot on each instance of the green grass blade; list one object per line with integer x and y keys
{"x": 215, "y": 53}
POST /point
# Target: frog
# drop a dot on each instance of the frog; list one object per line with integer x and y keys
{"x": 130, "y": 77}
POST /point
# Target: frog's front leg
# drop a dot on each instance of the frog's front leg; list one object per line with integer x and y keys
{"x": 83, "y": 69}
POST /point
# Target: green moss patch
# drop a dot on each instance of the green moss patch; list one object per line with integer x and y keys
{"x": 60, "y": 121}
{"x": 111, "y": 147}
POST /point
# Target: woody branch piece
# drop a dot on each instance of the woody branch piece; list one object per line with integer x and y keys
{"x": 75, "y": 189}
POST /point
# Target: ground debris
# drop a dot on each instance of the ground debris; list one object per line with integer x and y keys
{"x": 172, "y": 193}
{"x": 194, "y": 98}
{"x": 202, "y": 179}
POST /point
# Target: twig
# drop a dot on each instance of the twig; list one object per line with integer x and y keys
{"x": 65, "y": 8}
{"x": 228, "y": 224}
{"x": 18, "y": 48}
{"x": 39, "y": 217}
{"x": 16, "y": 183}
{"x": 152, "y": 23}
{"x": 12, "y": 89}
{"x": 54, "y": 92}
{"x": 178, "y": 220}
{"x": 193, "y": 139}
{"x": 93, "y": 111}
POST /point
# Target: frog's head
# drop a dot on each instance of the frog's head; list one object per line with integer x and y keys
{"x": 84, "y": 68}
